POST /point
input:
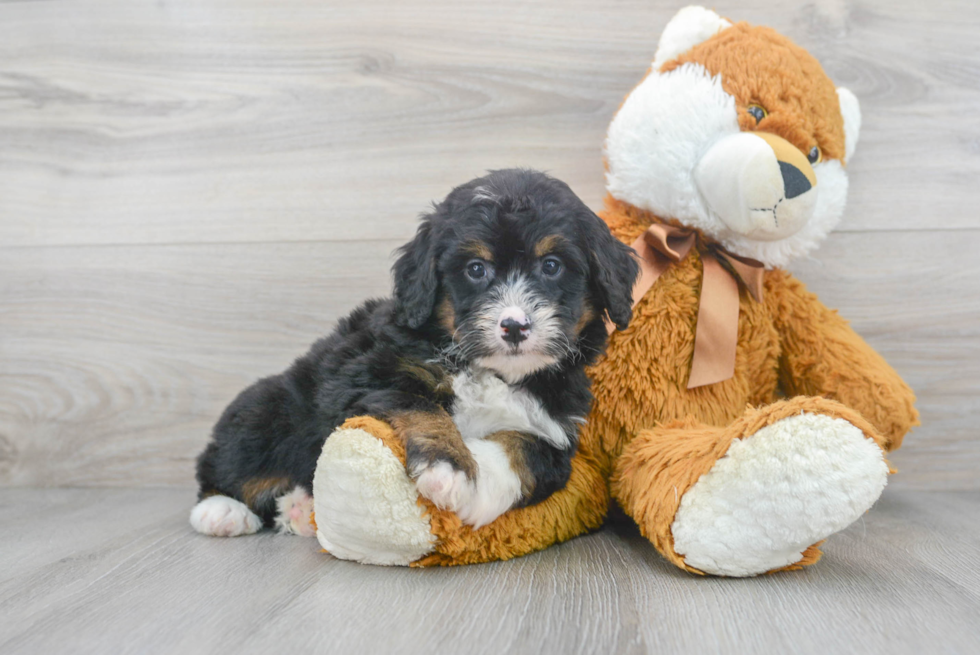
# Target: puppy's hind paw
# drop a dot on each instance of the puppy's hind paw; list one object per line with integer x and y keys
{"x": 221, "y": 516}
{"x": 447, "y": 487}
{"x": 294, "y": 512}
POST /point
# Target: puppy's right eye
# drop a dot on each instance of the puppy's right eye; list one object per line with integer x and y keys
{"x": 476, "y": 270}
{"x": 551, "y": 266}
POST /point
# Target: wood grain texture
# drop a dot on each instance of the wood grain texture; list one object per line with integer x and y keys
{"x": 141, "y": 122}
{"x": 117, "y": 360}
{"x": 902, "y": 580}
{"x": 915, "y": 296}
{"x": 192, "y": 192}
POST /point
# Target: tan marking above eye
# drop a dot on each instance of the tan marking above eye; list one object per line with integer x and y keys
{"x": 478, "y": 249}
{"x": 548, "y": 245}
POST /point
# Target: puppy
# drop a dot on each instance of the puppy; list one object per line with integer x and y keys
{"x": 478, "y": 362}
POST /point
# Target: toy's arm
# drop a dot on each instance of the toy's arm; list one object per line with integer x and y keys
{"x": 367, "y": 508}
{"x": 823, "y": 356}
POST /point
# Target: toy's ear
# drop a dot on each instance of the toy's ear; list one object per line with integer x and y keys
{"x": 850, "y": 109}
{"x": 691, "y": 26}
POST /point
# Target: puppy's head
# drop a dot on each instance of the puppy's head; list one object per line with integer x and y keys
{"x": 518, "y": 272}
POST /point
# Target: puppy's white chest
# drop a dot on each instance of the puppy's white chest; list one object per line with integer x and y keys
{"x": 486, "y": 404}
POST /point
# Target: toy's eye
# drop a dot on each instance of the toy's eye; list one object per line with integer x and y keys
{"x": 476, "y": 270}
{"x": 551, "y": 266}
{"x": 814, "y": 155}
{"x": 757, "y": 112}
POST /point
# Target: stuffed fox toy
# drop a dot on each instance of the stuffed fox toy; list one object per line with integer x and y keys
{"x": 737, "y": 420}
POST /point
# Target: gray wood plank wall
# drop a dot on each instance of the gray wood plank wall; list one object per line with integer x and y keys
{"x": 191, "y": 192}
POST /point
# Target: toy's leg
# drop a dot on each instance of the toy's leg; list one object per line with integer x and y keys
{"x": 365, "y": 506}
{"x": 756, "y": 496}
{"x": 367, "y": 509}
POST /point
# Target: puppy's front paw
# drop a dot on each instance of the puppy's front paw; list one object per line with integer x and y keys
{"x": 495, "y": 489}
{"x": 447, "y": 487}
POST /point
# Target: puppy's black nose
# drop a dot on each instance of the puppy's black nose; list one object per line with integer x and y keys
{"x": 514, "y": 331}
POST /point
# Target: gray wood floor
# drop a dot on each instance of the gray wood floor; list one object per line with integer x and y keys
{"x": 120, "y": 571}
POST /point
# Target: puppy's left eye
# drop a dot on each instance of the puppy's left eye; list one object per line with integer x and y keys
{"x": 476, "y": 270}
{"x": 551, "y": 266}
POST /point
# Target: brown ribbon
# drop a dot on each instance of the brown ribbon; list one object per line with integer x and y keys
{"x": 716, "y": 333}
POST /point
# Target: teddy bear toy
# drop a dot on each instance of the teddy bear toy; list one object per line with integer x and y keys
{"x": 737, "y": 420}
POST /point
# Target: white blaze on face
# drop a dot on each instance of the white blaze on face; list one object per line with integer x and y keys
{"x": 514, "y": 309}
{"x": 514, "y": 324}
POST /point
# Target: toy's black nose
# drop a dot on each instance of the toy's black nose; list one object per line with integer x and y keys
{"x": 794, "y": 181}
{"x": 514, "y": 331}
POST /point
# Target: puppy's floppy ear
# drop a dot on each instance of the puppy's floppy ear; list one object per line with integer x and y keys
{"x": 614, "y": 270}
{"x": 416, "y": 280}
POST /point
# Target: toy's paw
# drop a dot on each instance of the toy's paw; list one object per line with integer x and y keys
{"x": 221, "y": 516}
{"x": 776, "y": 493}
{"x": 367, "y": 508}
{"x": 294, "y": 511}
{"x": 447, "y": 487}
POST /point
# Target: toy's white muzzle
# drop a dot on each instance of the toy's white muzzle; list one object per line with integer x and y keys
{"x": 758, "y": 184}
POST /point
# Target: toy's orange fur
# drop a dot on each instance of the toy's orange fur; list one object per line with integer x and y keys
{"x": 650, "y": 435}
{"x": 760, "y": 66}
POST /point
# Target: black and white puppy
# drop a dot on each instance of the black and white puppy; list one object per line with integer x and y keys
{"x": 478, "y": 362}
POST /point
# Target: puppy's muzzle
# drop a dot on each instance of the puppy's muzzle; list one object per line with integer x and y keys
{"x": 515, "y": 326}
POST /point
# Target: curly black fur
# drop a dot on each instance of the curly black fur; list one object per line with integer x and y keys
{"x": 395, "y": 355}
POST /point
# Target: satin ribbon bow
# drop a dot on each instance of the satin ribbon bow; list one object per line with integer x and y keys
{"x": 716, "y": 333}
